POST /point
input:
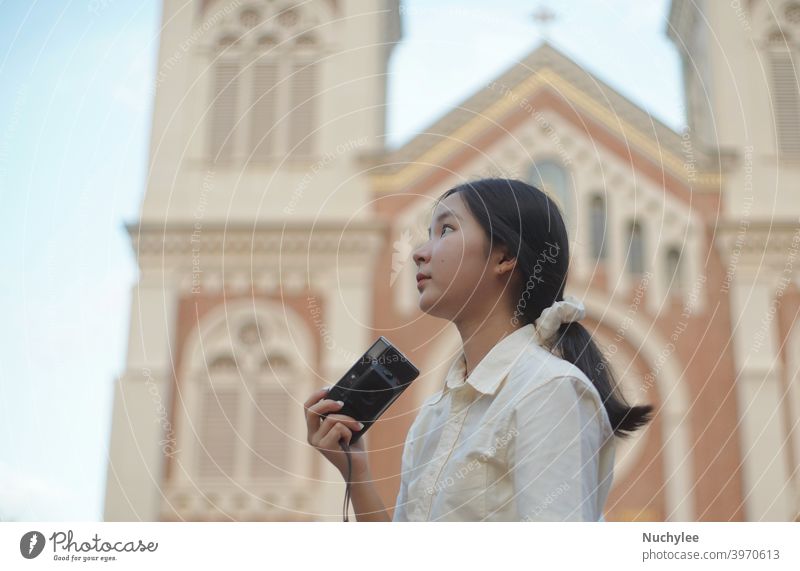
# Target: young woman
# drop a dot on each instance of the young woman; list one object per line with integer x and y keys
{"x": 523, "y": 428}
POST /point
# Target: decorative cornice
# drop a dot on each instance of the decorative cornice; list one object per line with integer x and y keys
{"x": 263, "y": 502}
{"x": 355, "y": 237}
{"x": 756, "y": 244}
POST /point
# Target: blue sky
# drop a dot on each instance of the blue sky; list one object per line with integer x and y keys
{"x": 74, "y": 128}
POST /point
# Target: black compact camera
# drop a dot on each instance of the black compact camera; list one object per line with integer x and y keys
{"x": 372, "y": 384}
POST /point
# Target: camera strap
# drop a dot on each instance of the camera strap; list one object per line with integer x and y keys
{"x": 346, "y": 447}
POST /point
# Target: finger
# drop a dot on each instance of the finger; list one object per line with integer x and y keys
{"x": 314, "y": 412}
{"x": 331, "y": 440}
{"x": 333, "y": 420}
{"x": 315, "y": 397}
{"x": 325, "y": 406}
{"x": 348, "y": 421}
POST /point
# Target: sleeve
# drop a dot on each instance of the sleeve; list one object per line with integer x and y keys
{"x": 400, "y": 507}
{"x": 554, "y": 456}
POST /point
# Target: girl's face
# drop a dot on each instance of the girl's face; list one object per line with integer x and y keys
{"x": 460, "y": 277}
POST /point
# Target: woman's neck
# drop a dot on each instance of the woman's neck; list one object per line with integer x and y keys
{"x": 479, "y": 335}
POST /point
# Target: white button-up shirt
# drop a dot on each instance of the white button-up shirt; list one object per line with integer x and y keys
{"x": 525, "y": 438}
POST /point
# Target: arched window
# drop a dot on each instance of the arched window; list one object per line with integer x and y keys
{"x": 244, "y": 406}
{"x": 220, "y": 415}
{"x": 265, "y": 84}
{"x": 635, "y": 248}
{"x": 553, "y": 179}
{"x": 597, "y": 223}
{"x": 302, "y": 106}
{"x": 674, "y": 271}
{"x": 264, "y": 97}
{"x": 224, "y": 109}
{"x": 785, "y": 91}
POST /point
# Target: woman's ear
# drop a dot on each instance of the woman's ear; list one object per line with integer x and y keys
{"x": 505, "y": 262}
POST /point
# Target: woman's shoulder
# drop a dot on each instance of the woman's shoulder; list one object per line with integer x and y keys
{"x": 544, "y": 371}
{"x": 538, "y": 366}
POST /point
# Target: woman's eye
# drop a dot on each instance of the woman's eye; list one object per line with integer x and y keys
{"x": 446, "y": 226}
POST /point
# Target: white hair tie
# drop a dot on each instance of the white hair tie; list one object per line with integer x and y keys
{"x": 564, "y": 311}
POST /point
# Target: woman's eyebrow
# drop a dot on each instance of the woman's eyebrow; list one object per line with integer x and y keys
{"x": 440, "y": 217}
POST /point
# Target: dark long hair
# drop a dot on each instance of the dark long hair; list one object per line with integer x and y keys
{"x": 527, "y": 221}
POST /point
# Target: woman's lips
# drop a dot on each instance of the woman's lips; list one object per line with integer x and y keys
{"x": 421, "y": 282}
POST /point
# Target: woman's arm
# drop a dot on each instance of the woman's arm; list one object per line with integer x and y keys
{"x": 325, "y": 437}
{"x": 366, "y": 501}
{"x": 554, "y": 458}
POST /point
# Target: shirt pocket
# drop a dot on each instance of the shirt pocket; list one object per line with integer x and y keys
{"x": 467, "y": 472}
{"x": 460, "y": 492}
{"x": 469, "y": 482}
{"x": 480, "y": 453}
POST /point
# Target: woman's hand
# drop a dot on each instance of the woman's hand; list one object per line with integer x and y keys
{"x": 325, "y": 435}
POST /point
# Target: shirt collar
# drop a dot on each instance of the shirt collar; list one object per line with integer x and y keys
{"x": 493, "y": 369}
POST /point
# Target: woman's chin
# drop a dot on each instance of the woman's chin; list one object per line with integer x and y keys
{"x": 424, "y": 305}
{"x": 432, "y": 308}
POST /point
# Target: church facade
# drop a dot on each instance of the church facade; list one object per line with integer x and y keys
{"x": 275, "y": 237}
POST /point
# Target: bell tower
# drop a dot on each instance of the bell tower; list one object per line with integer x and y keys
{"x": 256, "y": 245}
{"x": 740, "y": 65}
{"x": 277, "y": 101}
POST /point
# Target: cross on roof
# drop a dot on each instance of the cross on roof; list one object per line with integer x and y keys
{"x": 543, "y": 16}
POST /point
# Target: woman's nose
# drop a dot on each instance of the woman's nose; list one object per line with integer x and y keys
{"x": 420, "y": 254}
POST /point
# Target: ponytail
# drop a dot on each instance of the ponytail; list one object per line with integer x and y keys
{"x": 575, "y": 344}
